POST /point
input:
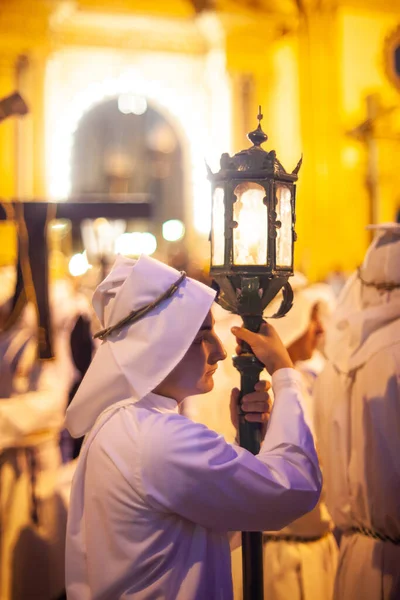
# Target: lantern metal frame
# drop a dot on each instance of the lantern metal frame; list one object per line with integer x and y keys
{"x": 247, "y": 290}
{"x": 254, "y": 165}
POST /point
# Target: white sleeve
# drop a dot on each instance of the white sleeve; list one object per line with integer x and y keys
{"x": 33, "y": 411}
{"x": 189, "y": 470}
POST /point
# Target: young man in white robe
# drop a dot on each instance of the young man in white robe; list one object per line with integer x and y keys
{"x": 358, "y": 424}
{"x": 155, "y": 494}
{"x": 300, "y": 560}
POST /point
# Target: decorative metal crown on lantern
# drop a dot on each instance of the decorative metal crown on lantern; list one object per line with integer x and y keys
{"x": 254, "y": 161}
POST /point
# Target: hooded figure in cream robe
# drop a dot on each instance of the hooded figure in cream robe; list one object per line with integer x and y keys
{"x": 358, "y": 424}
{"x": 300, "y": 560}
{"x": 32, "y": 515}
{"x": 33, "y": 398}
{"x": 155, "y": 494}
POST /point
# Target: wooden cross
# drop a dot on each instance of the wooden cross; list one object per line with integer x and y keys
{"x": 368, "y": 132}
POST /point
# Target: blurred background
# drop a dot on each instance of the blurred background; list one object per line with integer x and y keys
{"x": 129, "y": 98}
{"x": 128, "y": 101}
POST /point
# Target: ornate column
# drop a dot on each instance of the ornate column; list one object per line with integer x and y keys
{"x": 319, "y": 190}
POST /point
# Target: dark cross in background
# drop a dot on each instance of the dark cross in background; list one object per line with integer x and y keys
{"x": 33, "y": 273}
{"x": 370, "y": 132}
{"x": 32, "y": 266}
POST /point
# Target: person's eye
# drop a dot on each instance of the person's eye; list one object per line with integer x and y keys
{"x": 198, "y": 341}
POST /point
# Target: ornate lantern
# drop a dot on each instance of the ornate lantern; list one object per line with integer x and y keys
{"x": 252, "y": 243}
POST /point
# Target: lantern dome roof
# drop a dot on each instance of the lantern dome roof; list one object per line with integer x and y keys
{"x": 254, "y": 161}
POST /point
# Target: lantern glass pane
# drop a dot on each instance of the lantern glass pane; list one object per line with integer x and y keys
{"x": 250, "y": 237}
{"x": 284, "y": 238}
{"x": 218, "y": 228}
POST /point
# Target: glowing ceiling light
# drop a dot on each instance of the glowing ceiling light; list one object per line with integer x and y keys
{"x": 124, "y": 104}
{"x": 125, "y": 245}
{"x": 58, "y": 225}
{"x": 79, "y": 265}
{"x": 134, "y": 244}
{"x": 149, "y": 243}
{"x": 131, "y": 104}
{"x": 138, "y": 105}
{"x": 173, "y": 230}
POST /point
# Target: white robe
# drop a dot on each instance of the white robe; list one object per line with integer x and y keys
{"x": 298, "y": 570}
{"x": 155, "y": 494}
{"x": 292, "y": 570}
{"x": 358, "y": 428}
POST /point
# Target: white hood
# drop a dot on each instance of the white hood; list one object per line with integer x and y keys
{"x": 364, "y": 311}
{"x": 132, "y": 362}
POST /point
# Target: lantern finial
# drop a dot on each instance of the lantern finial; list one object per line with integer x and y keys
{"x": 258, "y": 137}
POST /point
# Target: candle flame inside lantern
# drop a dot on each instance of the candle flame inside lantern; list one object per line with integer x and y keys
{"x": 250, "y": 237}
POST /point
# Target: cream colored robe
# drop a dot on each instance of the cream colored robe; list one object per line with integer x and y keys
{"x": 31, "y": 554}
{"x": 358, "y": 426}
{"x": 33, "y": 398}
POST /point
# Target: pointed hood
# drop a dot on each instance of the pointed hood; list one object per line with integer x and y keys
{"x": 364, "y": 310}
{"x": 132, "y": 362}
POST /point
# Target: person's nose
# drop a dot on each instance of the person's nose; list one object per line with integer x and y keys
{"x": 218, "y": 352}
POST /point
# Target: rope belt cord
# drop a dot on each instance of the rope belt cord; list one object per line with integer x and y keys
{"x": 135, "y": 315}
{"x": 387, "y": 286}
{"x": 373, "y": 534}
{"x": 268, "y": 537}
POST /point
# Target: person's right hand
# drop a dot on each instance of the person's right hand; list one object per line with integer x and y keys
{"x": 266, "y": 345}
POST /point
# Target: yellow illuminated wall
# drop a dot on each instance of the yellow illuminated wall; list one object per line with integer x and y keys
{"x": 363, "y": 73}
{"x": 335, "y": 61}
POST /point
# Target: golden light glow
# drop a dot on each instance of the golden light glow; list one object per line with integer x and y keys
{"x": 250, "y": 237}
{"x": 9, "y": 245}
{"x": 173, "y": 230}
{"x": 131, "y": 104}
{"x": 218, "y": 228}
{"x": 284, "y": 233}
{"x": 206, "y": 74}
{"x": 99, "y": 235}
{"x": 134, "y": 244}
{"x": 79, "y": 265}
{"x": 196, "y": 104}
